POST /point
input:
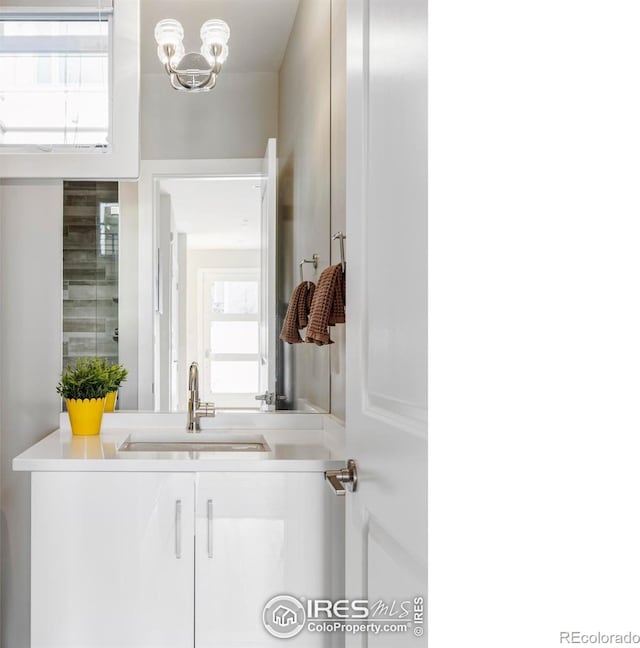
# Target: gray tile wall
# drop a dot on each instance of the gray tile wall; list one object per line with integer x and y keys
{"x": 90, "y": 279}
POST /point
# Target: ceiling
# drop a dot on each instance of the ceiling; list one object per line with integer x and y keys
{"x": 216, "y": 213}
{"x": 259, "y": 30}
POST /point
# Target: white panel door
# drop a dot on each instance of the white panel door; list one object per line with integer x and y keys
{"x": 112, "y": 560}
{"x": 268, "y": 270}
{"x": 387, "y": 308}
{"x": 259, "y": 535}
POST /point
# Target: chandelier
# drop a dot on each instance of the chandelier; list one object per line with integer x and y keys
{"x": 192, "y": 71}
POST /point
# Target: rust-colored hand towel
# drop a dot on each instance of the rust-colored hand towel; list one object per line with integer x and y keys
{"x": 304, "y": 304}
{"x": 327, "y": 307}
{"x": 337, "y": 315}
{"x": 297, "y": 314}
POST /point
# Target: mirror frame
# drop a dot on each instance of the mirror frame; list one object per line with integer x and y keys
{"x": 152, "y": 171}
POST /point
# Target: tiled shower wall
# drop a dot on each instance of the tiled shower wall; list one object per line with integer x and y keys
{"x": 90, "y": 273}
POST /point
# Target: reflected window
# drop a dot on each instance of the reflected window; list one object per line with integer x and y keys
{"x": 230, "y": 336}
{"x": 108, "y": 229}
{"x": 234, "y": 297}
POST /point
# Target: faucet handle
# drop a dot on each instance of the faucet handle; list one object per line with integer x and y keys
{"x": 206, "y": 409}
{"x": 268, "y": 397}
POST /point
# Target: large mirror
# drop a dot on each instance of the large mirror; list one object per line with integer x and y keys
{"x": 198, "y": 259}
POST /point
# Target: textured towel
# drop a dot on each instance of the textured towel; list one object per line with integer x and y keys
{"x": 327, "y": 307}
{"x": 304, "y": 304}
{"x": 337, "y": 315}
{"x": 297, "y": 315}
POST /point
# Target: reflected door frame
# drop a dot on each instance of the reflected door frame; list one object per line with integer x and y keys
{"x": 146, "y": 356}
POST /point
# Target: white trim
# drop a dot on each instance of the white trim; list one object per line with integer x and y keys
{"x": 133, "y": 420}
{"x": 69, "y": 12}
{"x": 95, "y": 44}
{"x": 151, "y": 171}
{"x": 21, "y": 7}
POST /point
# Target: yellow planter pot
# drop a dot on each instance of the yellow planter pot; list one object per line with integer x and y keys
{"x": 112, "y": 399}
{"x": 85, "y": 415}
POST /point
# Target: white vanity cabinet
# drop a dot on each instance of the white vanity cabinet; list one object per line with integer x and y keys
{"x": 111, "y": 560}
{"x": 259, "y": 535}
{"x": 153, "y": 559}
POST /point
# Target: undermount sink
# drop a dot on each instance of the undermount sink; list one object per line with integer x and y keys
{"x": 195, "y": 446}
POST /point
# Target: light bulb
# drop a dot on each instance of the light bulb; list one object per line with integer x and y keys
{"x": 178, "y": 54}
{"x": 169, "y": 32}
{"x": 205, "y": 50}
{"x": 162, "y": 55}
{"x": 215, "y": 32}
{"x": 176, "y": 57}
{"x": 224, "y": 54}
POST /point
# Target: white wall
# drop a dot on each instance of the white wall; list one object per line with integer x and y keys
{"x": 31, "y": 351}
{"x": 128, "y": 293}
{"x": 304, "y": 186}
{"x": 534, "y": 320}
{"x": 338, "y": 186}
{"x": 232, "y": 121}
{"x": 2, "y": 517}
{"x": 163, "y": 316}
{"x": 183, "y": 320}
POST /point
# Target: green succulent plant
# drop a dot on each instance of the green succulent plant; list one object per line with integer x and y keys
{"x": 90, "y": 378}
{"x": 117, "y": 374}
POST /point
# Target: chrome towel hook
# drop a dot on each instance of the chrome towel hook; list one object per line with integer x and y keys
{"x": 314, "y": 259}
{"x": 342, "y": 237}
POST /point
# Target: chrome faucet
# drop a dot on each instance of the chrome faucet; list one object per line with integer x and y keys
{"x": 196, "y": 408}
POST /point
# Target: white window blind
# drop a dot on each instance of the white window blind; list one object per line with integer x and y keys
{"x": 59, "y": 7}
{"x": 55, "y": 78}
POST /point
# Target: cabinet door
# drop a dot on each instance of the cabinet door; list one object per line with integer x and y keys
{"x": 259, "y": 535}
{"x": 112, "y": 560}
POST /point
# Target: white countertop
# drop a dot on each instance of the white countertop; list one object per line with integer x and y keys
{"x": 292, "y": 450}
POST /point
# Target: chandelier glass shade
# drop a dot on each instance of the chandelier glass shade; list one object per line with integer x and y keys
{"x": 192, "y": 71}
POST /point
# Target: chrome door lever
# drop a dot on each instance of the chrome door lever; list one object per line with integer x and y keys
{"x": 344, "y": 476}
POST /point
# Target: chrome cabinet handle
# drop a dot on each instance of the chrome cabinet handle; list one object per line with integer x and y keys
{"x": 210, "y": 528}
{"x": 338, "y": 478}
{"x": 178, "y": 529}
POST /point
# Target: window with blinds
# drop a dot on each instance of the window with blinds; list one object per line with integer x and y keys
{"x": 55, "y": 82}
